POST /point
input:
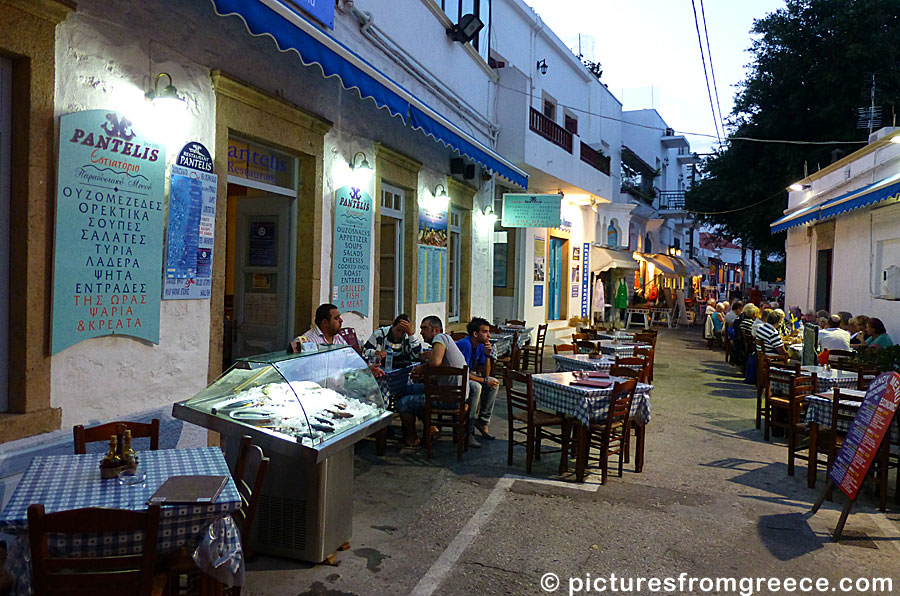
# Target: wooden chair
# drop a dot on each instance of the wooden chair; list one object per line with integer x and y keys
{"x": 585, "y": 347}
{"x": 515, "y": 322}
{"x": 458, "y": 335}
{"x": 532, "y": 422}
{"x": 865, "y": 376}
{"x": 837, "y": 356}
{"x": 647, "y": 354}
{"x": 635, "y": 363}
{"x": 646, "y": 338}
{"x": 565, "y": 348}
{"x": 249, "y": 475}
{"x": 576, "y": 337}
{"x": 125, "y": 575}
{"x": 500, "y": 365}
{"x": 535, "y": 353}
{"x": 762, "y": 377}
{"x": 611, "y": 436}
{"x": 796, "y": 423}
{"x": 782, "y": 374}
{"x": 446, "y": 405}
{"x": 103, "y": 432}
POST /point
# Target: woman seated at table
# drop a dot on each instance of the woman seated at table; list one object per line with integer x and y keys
{"x": 878, "y": 337}
{"x": 857, "y": 329}
{"x": 718, "y": 320}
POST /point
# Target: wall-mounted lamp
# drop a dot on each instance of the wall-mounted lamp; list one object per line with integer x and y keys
{"x": 168, "y": 96}
{"x": 363, "y": 165}
{"x": 467, "y": 28}
{"x": 542, "y": 66}
{"x": 440, "y": 194}
{"x": 798, "y": 186}
{"x": 438, "y": 201}
{"x": 360, "y": 173}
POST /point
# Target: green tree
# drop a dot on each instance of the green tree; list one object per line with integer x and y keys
{"x": 811, "y": 70}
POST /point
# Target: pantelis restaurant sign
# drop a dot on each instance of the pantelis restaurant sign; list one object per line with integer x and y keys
{"x": 107, "y": 273}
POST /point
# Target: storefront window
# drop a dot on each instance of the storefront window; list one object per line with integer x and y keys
{"x": 391, "y": 257}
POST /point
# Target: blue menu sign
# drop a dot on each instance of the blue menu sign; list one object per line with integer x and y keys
{"x": 192, "y": 221}
{"x": 109, "y": 230}
{"x": 585, "y": 263}
{"x": 538, "y": 295}
{"x": 352, "y": 249}
{"x": 432, "y": 274}
{"x": 531, "y": 211}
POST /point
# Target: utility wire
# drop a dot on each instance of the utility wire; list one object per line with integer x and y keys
{"x": 769, "y": 198}
{"x": 684, "y": 132}
{"x": 712, "y": 70}
{"x": 705, "y": 74}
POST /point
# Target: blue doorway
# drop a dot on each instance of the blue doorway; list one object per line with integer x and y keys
{"x": 556, "y": 278}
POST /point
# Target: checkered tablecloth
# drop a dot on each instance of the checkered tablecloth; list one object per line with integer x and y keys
{"x": 621, "y": 349}
{"x": 620, "y": 335}
{"x": 570, "y": 362}
{"x": 502, "y": 345}
{"x": 818, "y": 410}
{"x": 65, "y": 482}
{"x": 524, "y": 333}
{"x": 553, "y": 393}
{"x": 393, "y": 382}
{"x": 825, "y": 380}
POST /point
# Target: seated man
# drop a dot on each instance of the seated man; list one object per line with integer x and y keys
{"x": 768, "y": 333}
{"x": 444, "y": 352}
{"x": 325, "y": 330}
{"x": 399, "y": 335}
{"x": 833, "y": 337}
{"x": 476, "y": 348}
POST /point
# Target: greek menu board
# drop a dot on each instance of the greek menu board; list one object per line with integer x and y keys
{"x": 868, "y": 430}
{"x": 352, "y": 249}
{"x": 585, "y": 263}
{"x": 432, "y": 274}
{"x": 531, "y": 211}
{"x": 192, "y": 221}
{"x": 109, "y": 230}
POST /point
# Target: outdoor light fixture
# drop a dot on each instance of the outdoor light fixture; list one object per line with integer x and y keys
{"x": 360, "y": 173}
{"x": 467, "y": 28}
{"x": 440, "y": 194}
{"x": 168, "y": 96}
{"x": 542, "y": 66}
{"x": 895, "y": 139}
{"x": 798, "y": 186}
{"x": 362, "y": 166}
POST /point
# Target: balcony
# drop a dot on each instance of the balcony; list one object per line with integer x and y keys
{"x": 550, "y": 130}
{"x": 638, "y": 192}
{"x": 594, "y": 158}
{"x": 671, "y": 200}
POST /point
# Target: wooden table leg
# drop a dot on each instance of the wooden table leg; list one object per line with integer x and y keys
{"x": 640, "y": 435}
{"x": 582, "y": 453}
{"x": 813, "y": 459}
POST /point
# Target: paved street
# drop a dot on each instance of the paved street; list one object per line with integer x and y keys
{"x": 714, "y": 500}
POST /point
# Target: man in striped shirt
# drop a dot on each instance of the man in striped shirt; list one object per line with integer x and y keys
{"x": 770, "y": 336}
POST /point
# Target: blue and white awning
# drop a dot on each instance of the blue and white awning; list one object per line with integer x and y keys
{"x": 291, "y": 31}
{"x": 883, "y": 190}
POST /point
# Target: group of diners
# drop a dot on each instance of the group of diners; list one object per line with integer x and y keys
{"x": 473, "y": 351}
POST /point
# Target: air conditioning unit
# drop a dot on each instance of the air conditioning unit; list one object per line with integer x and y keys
{"x": 890, "y": 283}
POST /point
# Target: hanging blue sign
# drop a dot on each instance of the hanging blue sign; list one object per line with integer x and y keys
{"x": 531, "y": 211}
{"x": 321, "y": 10}
{"x": 191, "y": 230}
{"x": 432, "y": 274}
{"x": 196, "y": 157}
{"x": 352, "y": 253}
{"x": 585, "y": 274}
{"x": 109, "y": 230}
{"x": 538, "y": 295}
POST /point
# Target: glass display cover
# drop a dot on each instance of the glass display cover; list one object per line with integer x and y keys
{"x": 308, "y": 397}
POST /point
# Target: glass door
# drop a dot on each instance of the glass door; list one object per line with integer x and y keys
{"x": 555, "y": 282}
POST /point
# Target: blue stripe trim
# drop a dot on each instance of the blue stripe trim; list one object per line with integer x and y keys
{"x": 838, "y": 205}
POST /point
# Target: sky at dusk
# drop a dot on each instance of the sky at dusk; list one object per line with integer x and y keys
{"x": 651, "y": 57}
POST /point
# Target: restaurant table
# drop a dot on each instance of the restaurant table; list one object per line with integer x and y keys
{"x": 826, "y": 379}
{"x": 617, "y": 348}
{"x": 571, "y": 362}
{"x": 554, "y": 392}
{"x": 501, "y": 344}
{"x": 620, "y": 335}
{"x": 818, "y": 413}
{"x": 523, "y": 331}
{"x": 393, "y": 382}
{"x": 66, "y": 482}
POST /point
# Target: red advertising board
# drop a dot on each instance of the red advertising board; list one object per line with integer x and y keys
{"x": 869, "y": 428}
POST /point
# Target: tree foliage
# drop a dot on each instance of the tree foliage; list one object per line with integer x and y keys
{"x": 811, "y": 69}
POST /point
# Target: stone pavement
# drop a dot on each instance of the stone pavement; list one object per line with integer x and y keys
{"x": 714, "y": 500}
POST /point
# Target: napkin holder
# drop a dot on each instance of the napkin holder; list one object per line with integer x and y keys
{"x": 595, "y": 356}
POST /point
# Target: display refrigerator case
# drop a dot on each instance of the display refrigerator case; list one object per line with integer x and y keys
{"x": 306, "y": 411}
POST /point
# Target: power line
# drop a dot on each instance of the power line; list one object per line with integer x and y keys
{"x": 684, "y": 132}
{"x": 712, "y": 70}
{"x": 705, "y": 74}
{"x": 744, "y": 208}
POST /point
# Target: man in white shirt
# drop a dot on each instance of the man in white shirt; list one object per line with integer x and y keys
{"x": 833, "y": 337}
{"x": 325, "y": 330}
{"x": 734, "y": 313}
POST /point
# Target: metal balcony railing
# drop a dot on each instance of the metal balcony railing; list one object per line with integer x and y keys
{"x": 594, "y": 158}
{"x": 550, "y": 130}
{"x": 671, "y": 200}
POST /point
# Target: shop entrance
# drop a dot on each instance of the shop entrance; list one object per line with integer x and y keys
{"x": 262, "y": 273}
{"x": 5, "y": 139}
{"x": 557, "y": 296}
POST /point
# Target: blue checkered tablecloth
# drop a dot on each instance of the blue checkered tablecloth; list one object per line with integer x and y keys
{"x": 65, "y": 482}
{"x": 621, "y": 349}
{"x": 620, "y": 335}
{"x": 501, "y": 344}
{"x": 818, "y": 410}
{"x": 553, "y": 393}
{"x": 570, "y": 362}
{"x": 826, "y": 380}
{"x": 524, "y": 333}
{"x": 393, "y": 382}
